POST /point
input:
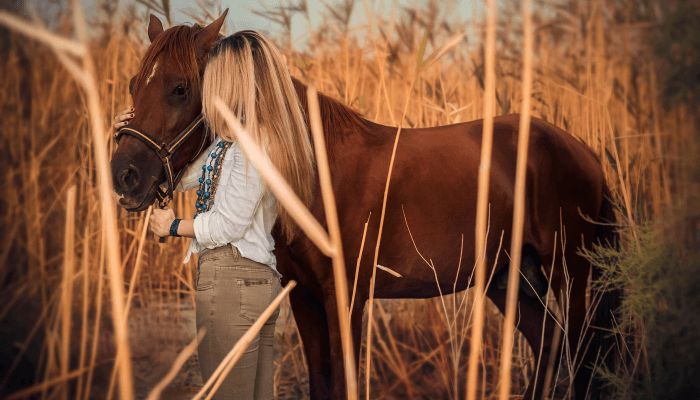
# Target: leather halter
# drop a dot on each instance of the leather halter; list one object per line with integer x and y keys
{"x": 165, "y": 152}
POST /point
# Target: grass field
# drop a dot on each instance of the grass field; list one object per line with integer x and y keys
{"x": 592, "y": 74}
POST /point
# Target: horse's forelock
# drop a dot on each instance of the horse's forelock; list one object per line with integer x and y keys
{"x": 178, "y": 42}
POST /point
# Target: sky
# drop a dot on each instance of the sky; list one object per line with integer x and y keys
{"x": 241, "y": 17}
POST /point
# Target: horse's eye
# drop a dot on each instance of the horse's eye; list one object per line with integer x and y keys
{"x": 179, "y": 90}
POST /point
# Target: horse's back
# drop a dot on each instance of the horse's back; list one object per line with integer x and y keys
{"x": 434, "y": 189}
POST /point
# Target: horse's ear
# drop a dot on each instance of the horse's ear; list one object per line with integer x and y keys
{"x": 208, "y": 35}
{"x": 155, "y": 28}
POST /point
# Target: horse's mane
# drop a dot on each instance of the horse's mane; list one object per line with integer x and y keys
{"x": 338, "y": 119}
{"x": 178, "y": 41}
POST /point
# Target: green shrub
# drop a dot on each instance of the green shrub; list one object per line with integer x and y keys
{"x": 659, "y": 314}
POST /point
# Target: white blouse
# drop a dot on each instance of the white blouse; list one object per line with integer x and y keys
{"x": 240, "y": 215}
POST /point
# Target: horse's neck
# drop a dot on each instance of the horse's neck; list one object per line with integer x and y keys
{"x": 337, "y": 119}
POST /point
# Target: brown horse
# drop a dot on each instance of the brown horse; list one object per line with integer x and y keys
{"x": 434, "y": 182}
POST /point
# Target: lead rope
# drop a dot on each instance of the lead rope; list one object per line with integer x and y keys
{"x": 165, "y": 196}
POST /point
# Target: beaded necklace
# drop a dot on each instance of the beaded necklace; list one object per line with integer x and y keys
{"x": 211, "y": 173}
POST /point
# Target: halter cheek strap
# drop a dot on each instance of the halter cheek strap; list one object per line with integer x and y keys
{"x": 165, "y": 152}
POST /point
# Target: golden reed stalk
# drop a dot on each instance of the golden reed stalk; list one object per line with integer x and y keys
{"x": 132, "y": 283}
{"x": 357, "y": 267}
{"x": 109, "y": 219}
{"x": 86, "y": 304}
{"x": 516, "y": 243}
{"x": 67, "y": 287}
{"x": 341, "y": 284}
{"x": 482, "y": 201}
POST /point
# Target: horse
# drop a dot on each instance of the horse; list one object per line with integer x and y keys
{"x": 433, "y": 194}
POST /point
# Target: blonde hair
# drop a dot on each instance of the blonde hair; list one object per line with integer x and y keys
{"x": 248, "y": 73}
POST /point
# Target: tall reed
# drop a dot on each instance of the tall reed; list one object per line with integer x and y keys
{"x": 518, "y": 209}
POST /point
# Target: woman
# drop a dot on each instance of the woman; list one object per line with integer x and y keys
{"x": 237, "y": 276}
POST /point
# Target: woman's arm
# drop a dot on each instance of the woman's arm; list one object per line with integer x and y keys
{"x": 185, "y": 228}
{"x": 162, "y": 220}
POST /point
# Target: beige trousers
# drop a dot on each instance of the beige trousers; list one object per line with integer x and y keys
{"x": 232, "y": 292}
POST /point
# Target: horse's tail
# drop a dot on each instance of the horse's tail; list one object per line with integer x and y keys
{"x": 602, "y": 321}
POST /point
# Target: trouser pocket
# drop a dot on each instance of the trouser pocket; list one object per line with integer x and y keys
{"x": 255, "y": 296}
{"x": 205, "y": 277}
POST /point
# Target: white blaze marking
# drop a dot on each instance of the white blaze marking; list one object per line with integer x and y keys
{"x": 155, "y": 66}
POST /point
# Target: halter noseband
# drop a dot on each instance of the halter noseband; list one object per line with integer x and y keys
{"x": 165, "y": 152}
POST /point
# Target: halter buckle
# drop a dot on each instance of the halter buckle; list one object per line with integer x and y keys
{"x": 163, "y": 153}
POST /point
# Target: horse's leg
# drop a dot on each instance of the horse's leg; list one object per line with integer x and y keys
{"x": 310, "y": 317}
{"x": 570, "y": 292}
{"x": 531, "y": 316}
{"x": 356, "y": 327}
{"x": 338, "y": 388}
{"x": 580, "y": 347}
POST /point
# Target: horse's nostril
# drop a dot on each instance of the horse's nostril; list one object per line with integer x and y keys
{"x": 128, "y": 179}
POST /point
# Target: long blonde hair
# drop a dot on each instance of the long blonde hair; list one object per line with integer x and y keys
{"x": 248, "y": 73}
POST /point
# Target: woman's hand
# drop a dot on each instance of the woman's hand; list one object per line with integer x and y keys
{"x": 161, "y": 220}
{"x": 123, "y": 119}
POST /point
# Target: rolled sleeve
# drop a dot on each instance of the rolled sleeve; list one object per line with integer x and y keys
{"x": 239, "y": 201}
{"x": 201, "y": 230}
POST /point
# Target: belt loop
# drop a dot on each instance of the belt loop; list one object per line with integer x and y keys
{"x": 236, "y": 253}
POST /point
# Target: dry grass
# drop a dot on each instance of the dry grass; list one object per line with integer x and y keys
{"x": 61, "y": 254}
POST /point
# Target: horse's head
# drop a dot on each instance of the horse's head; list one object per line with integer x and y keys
{"x": 167, "y": 98}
